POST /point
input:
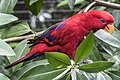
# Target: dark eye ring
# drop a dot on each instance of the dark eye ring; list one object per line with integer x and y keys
{"x": 102, "y": 20}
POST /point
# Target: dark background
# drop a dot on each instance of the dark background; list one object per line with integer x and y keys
{"x": 49, "y": 6}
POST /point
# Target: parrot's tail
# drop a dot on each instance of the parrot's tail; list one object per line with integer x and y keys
{"x": 22, "y": 59}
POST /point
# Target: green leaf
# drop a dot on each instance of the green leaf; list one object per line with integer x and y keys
{"x": 107, "y": 48}
{"x": 32, "y": 1}
{"x": 58, "y": 59}
{"x": 19, "y": 73}
{"x": 67, "y": 76}
{"x": 115, "y": 75}
{"x": 3, "y": 77}
{"x": 1, "y": 32}
{"x": 7, "y": 6}
{"x": 13, "y": 44}
{"x": 35, "y": 6}
{"x": 116, "y": 15}
{"x": 64, "y": 74}
{"x": 62, "y": 3}
{"x": 79, "y": 1}
{"x": 6, "y": 18}
{"x": 21, "y": 49}
{"x": 107, "y": 38}
{"x": 96, "y": 66}
{"x": 85, "y": 48}
{"x": 5, "y": 49}
{"x": 43, "y": 74}
{"x": 80, "y": 76}
{"x": 17, "y": 30}
{"x": 96, "y": 55}
{"x": 71, "y": 3}
{"x": 2, "y": 60}
{"x": 102, "y": 76}
{"x": 116, "y": 34}
{"x": 65, "y": 2}
{"x": 38, "y": 70}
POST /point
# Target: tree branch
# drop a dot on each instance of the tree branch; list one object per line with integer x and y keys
{"x": 95, "y": 2}
{"x": 89, "y": 6}
{"x": 102, "y": 3}
{"x": 22, "y": 37}
{"x": 107, "y": 4}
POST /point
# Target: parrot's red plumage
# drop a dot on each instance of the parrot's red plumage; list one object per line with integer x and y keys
{"x": 67, "y": 35}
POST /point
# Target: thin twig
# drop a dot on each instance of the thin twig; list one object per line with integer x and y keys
{"x": 107, "y": 4}
{"x": 89, "y": 6}
{"x": 22, "y": 37}
{"x": 95, "y": 2}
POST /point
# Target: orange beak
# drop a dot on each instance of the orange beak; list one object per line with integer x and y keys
{"x": 110, "y": 28}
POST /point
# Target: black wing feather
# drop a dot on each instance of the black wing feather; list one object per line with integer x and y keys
{"x": 45, "y": 34}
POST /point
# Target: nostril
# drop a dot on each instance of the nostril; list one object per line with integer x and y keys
{"x": 108, "y": 27}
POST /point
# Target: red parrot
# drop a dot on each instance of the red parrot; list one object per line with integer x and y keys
{"x": 66, "y": 36}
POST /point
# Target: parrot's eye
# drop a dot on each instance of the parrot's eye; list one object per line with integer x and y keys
{"x": 102, "y": 20}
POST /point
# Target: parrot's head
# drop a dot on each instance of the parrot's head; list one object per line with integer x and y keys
{"x": 101, "y": 20}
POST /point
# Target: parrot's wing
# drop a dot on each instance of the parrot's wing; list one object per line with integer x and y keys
{"x": 50, "y": 36}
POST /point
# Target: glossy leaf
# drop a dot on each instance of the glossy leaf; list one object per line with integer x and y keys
{"x": 39, "y": 70}
{"x": 7, "y": 6}
{"x": 48, "y": 75}
{"x": 35, "y": 6}
{"x": 62, "y": 75}
{"x": 115, "y": 75}
{"x": 96, "y": 55}
{"x": 13, "y": 44}
{"x": 116, "y": 59}
{"x": 102, "y": 76}
{"x": 85, "y": 48}
{"x": 107, "y": 38}
{"x": 116, "y": 34}
{"x": 17, "y": 30}
{"x": 71, "y": 3}
{"x": 3, "y": 77}
{"x": 22, "y": 71}
{"x": 108, "y": 49}
{"x": 81, "y": 77}
{"x": 116, "y": 15}
{"x": 32, "y": 1}
{"x": 79, "y": 1}
{"x": 21, "y": 49}
{"x": 66, "y": 77}
{"x": 58, "y": 59}
{"x": 5, "y": 49}
{"x": 96, "y": 66}
{"x": 6, "y": 18}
